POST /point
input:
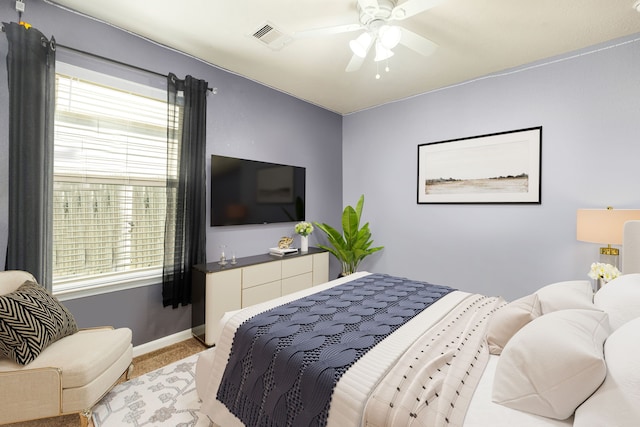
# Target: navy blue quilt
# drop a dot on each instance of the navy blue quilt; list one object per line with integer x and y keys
{"x": 285, "y": 362}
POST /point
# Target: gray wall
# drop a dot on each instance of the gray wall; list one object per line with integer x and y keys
{"x": 589, "y": 107}
{"x": 245, "y": 119}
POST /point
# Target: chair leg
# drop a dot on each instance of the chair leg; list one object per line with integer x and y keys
{"x": 85, "y": 418}
{"x": 129, "y": 372}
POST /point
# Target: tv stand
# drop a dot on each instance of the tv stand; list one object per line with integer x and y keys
{"x": 216, "y": 289}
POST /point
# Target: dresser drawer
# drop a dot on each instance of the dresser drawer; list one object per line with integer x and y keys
{"x": 296, "y": 283}
{"x": 261, "y": 273}
{"x": 296, "y": 266}
{"x": 260, "y": 293}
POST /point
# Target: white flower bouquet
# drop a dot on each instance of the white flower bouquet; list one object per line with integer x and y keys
{"x": 606, "y": 272}
{"x": 303, "y": 228}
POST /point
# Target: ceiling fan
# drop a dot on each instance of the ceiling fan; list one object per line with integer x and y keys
{"x": 377, "y": 19}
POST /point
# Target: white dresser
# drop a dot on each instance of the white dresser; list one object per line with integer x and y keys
{"x": 216, "y": 289}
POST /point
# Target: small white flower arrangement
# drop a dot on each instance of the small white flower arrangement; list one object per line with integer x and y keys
{"x": 606, "y": 272}
{"x": 304, "y": 228}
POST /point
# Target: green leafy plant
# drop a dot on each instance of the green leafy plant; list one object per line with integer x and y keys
{"x": 354, "y": 243}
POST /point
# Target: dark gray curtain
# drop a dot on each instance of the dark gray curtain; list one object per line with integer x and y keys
{"x": 31, "y": 75}
{"x": 185, "y": 230}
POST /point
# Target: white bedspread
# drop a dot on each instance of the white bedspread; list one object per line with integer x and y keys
{"x": 352, "y": 391}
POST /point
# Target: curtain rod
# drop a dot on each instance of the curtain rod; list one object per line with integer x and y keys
{"x": 213, "y": 90}
{"x": 210, "y": 89}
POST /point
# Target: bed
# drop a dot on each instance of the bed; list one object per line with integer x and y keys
{"x": 461, "y": 360}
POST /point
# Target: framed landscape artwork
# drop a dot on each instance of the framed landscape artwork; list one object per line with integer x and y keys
{"x": 497, "y": 168}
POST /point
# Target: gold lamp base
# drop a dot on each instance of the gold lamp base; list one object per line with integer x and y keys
{"x": 609, "y": 251}
{"x": 610, "y": 255}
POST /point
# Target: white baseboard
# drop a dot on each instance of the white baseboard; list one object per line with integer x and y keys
{"x": 148, "y": 347}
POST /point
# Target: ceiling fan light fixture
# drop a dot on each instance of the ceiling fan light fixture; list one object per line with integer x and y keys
{"x": 399, "y": 13}
{"x": 360, "y": 46}
{"x": 382, "y": 52}
{"x": 390, "y": 36}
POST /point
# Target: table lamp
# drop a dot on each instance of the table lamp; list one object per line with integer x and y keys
{"x": 604, "y": 226}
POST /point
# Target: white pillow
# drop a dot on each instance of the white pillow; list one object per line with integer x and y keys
{"x": 620, "y": 298}
{"x": 565, "y": 295}
{"x": 616, "y": 402}
{"x": 553, "y": 364}
{"x": 509, "y": 319}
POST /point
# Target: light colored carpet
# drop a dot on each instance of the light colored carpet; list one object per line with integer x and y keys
{"x": 162, "y": 398}
{"x": 141, "y": 365}
{"x": 157, "y": 359}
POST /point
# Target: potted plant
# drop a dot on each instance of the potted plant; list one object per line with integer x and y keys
{"x": 354, "y": 243}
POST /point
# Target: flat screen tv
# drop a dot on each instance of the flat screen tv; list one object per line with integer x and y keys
{"x": 254, "y": 192}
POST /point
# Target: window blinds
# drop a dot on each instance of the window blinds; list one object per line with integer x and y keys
{"x": 110, "y": 165}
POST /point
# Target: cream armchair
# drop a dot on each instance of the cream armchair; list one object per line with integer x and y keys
{"x": 69, "y": 376}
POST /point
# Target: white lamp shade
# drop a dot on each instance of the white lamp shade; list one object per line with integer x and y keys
{"x": 603, "y": 226}
{"x": 382, "y": 52}
{"x": 389, "y": 36}
{"x": 360, "y": 46}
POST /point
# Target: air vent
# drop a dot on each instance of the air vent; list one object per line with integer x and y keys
{"x": 272, "y": 37}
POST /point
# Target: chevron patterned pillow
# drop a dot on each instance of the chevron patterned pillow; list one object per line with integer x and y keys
{"x": 30, "y": 320}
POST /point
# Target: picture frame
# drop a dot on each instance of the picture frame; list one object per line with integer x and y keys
{"x": 500, "y": 168}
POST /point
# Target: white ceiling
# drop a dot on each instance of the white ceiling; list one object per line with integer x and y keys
{"x": 475, "y": 38}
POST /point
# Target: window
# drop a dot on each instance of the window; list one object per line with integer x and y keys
{"x": 110, "y": 167}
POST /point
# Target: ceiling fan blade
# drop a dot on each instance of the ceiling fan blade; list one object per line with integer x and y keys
{"x": 354, "y": 64}
{"x": 369, "y": 7}
{"x": 318, "y": 32}
{"x": 412, "y": 7}
{"x": 417, "y": 43}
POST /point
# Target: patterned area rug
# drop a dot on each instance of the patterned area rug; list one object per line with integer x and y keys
{"x": 166, "y": 397}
